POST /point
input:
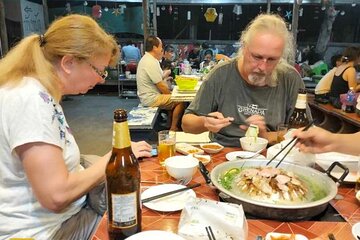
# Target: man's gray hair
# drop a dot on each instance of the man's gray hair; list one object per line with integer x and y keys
{"x": 276, "y": 25}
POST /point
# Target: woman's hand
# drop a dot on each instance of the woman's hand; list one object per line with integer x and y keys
{"x": 141, "y": 149}
{"x": 315, "y": 140}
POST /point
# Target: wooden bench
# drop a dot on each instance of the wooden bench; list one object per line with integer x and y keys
{"x": 332, "y": 119}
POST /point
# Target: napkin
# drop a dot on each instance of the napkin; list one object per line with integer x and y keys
{"x": 227, "y": 220}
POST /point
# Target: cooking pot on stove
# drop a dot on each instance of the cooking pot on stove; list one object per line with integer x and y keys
{"x": 284, "y": 212}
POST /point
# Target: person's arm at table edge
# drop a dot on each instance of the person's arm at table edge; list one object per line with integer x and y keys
{"x": 347, "y": 143}
{"x": 163, "y": 87}
{"x": 193, "y": 124}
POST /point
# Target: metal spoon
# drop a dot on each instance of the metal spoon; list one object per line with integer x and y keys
{"x": 251, "y": 156}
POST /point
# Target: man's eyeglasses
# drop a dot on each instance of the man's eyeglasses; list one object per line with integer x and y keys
{"x": 102, "y": 74}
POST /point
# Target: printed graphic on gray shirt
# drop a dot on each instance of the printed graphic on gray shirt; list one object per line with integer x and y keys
{"x": 251, "y": 109}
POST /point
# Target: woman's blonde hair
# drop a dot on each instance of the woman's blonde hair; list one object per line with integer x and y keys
{"x": 276, "y": 25}
{"x": 35, "y": 56}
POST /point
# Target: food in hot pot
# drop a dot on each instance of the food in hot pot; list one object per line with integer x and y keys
{"x": 268, "y": 184}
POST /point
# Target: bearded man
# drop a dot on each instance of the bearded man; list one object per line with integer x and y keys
{"x": 257, "y": 87}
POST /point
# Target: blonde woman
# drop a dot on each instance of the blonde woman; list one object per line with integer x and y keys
{"x": 43, "y": 187}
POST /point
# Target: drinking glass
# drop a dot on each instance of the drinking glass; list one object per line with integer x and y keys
{"x": 281, "y": 129}
{"x": 166, "y": 147}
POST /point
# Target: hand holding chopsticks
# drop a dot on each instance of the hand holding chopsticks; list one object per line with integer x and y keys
{"x": 292, "y": 140}
{"x": 211, "y": 116}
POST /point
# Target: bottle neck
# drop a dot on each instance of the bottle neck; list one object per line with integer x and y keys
{"x": 301, "y": 101}
{"x": 121, "y": 135}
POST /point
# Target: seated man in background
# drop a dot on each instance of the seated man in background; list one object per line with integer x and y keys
{"x": 131, "y": 55}
{"x": 194, "y": 56}
{"x": 257, "y": 87}
{"x": 153, "y": 90}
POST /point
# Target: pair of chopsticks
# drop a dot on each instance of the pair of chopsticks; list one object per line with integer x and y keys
{"x": 170, "y": 193}
{"x": 210, "y": 116}
{"x": 210, "y": 233}
{"x": 295, "y": 140}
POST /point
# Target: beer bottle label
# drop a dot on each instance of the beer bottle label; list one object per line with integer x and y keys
{"x": 121, "y": 129}
{"x": 124, "y": 211}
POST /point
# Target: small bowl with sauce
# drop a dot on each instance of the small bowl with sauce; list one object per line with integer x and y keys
{"x": 205, "y": 159}
{"x": 211, "y": 147}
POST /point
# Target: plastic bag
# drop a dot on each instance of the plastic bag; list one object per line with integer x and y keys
{"x": 227, "y": 220}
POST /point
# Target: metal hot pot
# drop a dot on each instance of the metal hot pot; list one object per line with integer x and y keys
{"x": 276, "y": 211}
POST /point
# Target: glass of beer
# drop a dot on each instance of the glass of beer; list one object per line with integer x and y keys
{"x": 166, "y": 148}
{"x": 281, "y": 129}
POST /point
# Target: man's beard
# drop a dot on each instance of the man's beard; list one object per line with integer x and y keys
{"x": 258, "y": 79}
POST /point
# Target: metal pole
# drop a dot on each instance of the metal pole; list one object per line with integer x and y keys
{"x": 145, "y": 18}
{"x": 294, "y": 23}
{"x": 46, "y": 13}
{"x": 268, "y": 9}
{"x": 154, "y": 19}
{"x": 3, "y": 31}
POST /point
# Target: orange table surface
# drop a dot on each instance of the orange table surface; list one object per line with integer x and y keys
{"x": 347, "y": 206}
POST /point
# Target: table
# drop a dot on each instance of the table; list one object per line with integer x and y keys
{"x": 348, "y": 207}
{"x": 332, "y": 119}
{"x": 184, "y": 96}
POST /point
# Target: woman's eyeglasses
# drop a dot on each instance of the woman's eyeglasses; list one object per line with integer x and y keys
{"x": 102, "y": 74}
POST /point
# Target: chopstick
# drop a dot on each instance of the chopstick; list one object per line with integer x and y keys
{"x": 292, "y": 140}
{"x": 170, "y": 193}
{"x": 210, "y": 233}
{"x": 210, "y": 116}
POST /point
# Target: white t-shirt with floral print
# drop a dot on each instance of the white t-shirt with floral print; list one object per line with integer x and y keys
{"x": 29, "y": 114}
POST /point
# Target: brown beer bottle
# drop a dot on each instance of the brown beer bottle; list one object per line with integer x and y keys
{"x": 122, "y": 183}
{"x": 299, "y": 118}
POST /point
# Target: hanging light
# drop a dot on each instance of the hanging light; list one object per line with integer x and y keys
{"x": 237, "y": 9}
{"x": 157, "y": 11}
{"x": 96, "y": 11}
{"x": 210, "y": 14}
{"x": 189, "y": 15}
{"x": 85, "y": 3}
{"x": 353, "y": 4}
{"x": 342, "y": 13}
{"x": 221, "y": 17}
{"x": 68, "y": 7}
{"x": 106, "y": 9}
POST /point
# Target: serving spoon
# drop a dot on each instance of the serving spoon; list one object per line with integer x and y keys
{"x": 250, "y": 156}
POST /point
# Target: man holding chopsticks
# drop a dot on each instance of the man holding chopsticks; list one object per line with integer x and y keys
{"x": 258, "y": 87}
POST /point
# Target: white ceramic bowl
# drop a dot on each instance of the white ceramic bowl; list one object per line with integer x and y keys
{"x": 248, "y": 144}
{"x": 181, "y": 166}
{"x": 211, "y": 147}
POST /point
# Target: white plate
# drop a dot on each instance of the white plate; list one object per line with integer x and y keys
{"x": 277, "y": 235}
{"x": 155, "y": 235}
{"x": 231, "y": 156}
{"x": 174, "y": 202}
{"x": 356, "y": 230}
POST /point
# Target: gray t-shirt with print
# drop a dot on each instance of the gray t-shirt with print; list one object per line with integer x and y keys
{"x": 227, "y": 92}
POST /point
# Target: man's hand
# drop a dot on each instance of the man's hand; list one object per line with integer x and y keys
{"x": 216, "y": 124}
{"x": 256, "y": 120}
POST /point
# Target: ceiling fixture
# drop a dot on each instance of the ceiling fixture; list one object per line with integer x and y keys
{"x": 210, "y": 14}
{"x": 237, "y": 9}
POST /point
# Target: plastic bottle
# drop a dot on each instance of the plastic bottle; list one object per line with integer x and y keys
{"x": 122, "y": 183}
{"x": 350, "y": 98}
